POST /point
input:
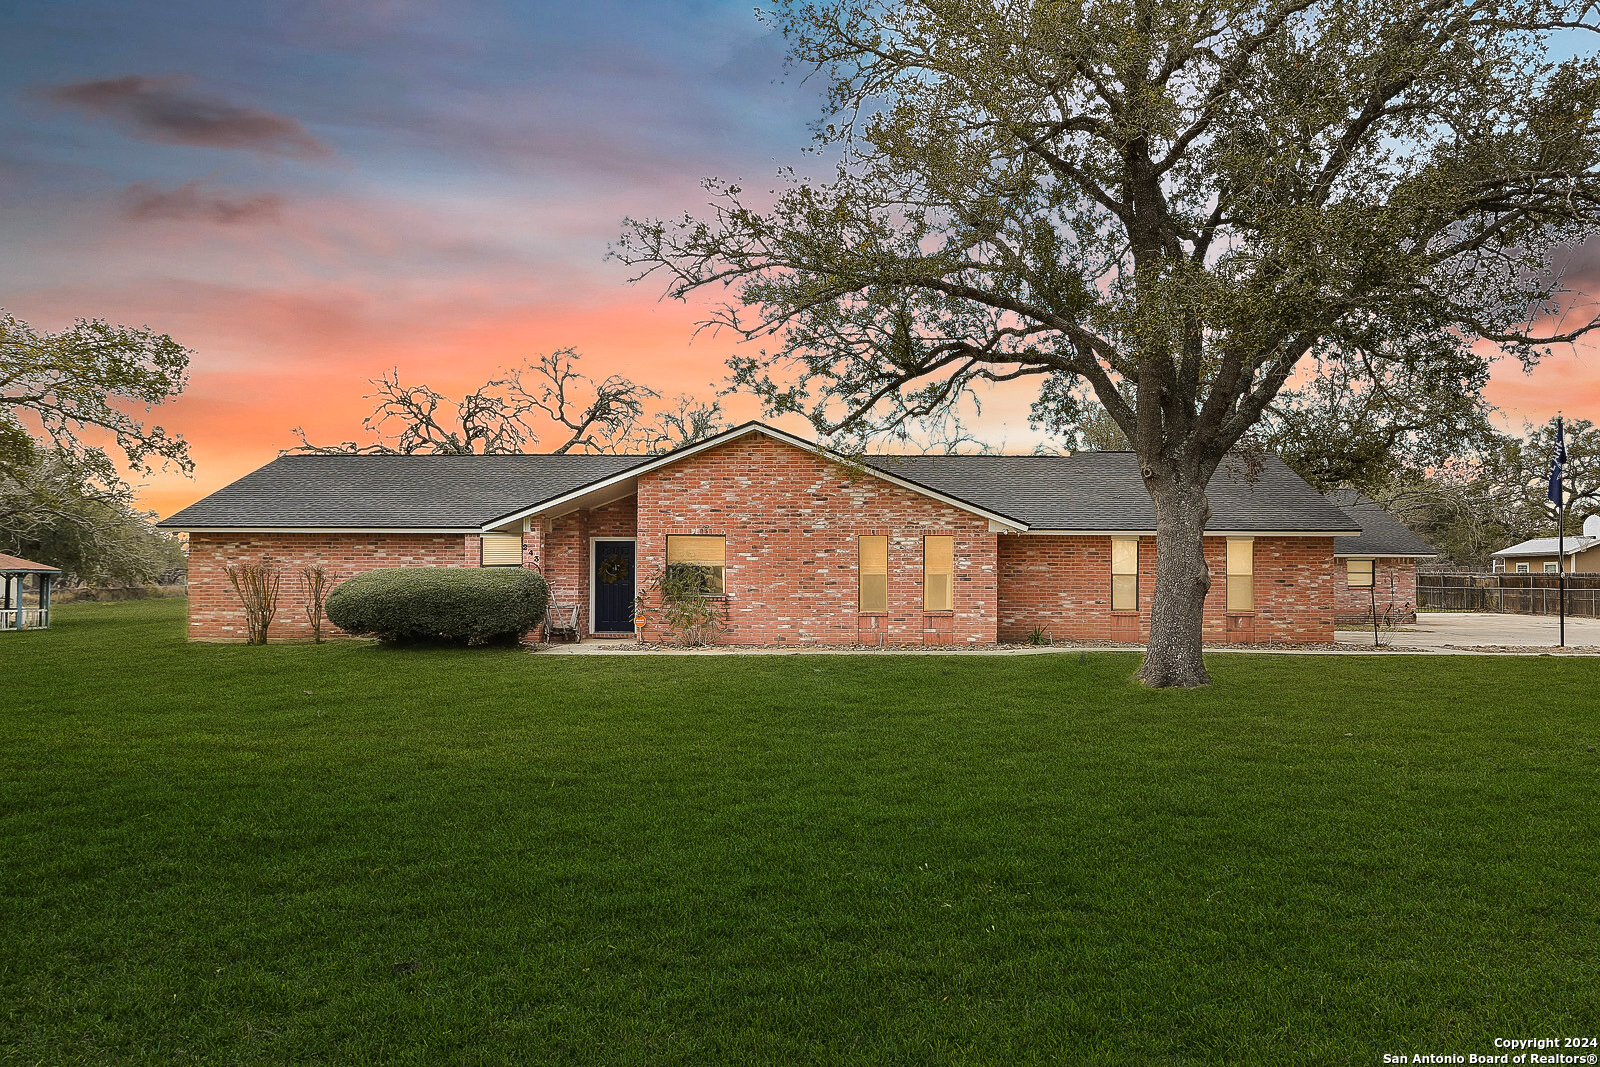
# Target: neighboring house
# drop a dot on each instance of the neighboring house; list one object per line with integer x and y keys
{"x": 1539, "y": 555}
{"x": 1377, "y": 571}
{"x": 809, "y": 547}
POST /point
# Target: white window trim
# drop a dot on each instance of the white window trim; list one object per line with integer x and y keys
{"x": 592, "y": 576}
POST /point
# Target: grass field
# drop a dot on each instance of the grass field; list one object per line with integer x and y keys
{"x": 344, "y": 854}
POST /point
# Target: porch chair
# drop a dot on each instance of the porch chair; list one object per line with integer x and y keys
{"x": 561, "y": 622}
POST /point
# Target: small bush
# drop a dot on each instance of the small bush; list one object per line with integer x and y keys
{"x": 257, "y": 582}
{"x": 686, "y": 596}
{"x": 466, "y": 606}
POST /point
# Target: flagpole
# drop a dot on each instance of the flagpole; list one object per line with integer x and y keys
{"x": 1561, "y": 534}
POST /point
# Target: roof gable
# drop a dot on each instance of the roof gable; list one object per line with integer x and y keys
{"x": 599, "y": 489}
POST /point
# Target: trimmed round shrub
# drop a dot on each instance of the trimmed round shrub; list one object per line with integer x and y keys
{"x": 473, "y": 606}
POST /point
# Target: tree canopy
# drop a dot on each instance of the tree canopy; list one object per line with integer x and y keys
{"x": 1173, "y": 204}
{"x": 68, "y": 436}
{"x": 1496, "y": 495}
{"x": 83, "y": 379}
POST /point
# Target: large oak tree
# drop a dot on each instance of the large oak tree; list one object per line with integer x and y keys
{"x": 1173, "y": 203}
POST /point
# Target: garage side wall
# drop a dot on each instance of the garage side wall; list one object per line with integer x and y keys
{"x": 1394, "y": 588}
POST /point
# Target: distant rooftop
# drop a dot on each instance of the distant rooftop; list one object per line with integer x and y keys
{"x": 17, "y": 565}
{"x": 1548, "y": 546}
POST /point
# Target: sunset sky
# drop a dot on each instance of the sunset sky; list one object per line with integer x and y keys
{"x": 309, "y": 193}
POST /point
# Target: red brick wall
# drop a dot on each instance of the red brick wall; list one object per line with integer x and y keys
{"x": 1064, "y": 585}
{"x": 1393, "y": 580}
{"x": 214, "y": 610}
{"x": 791, "y": 520}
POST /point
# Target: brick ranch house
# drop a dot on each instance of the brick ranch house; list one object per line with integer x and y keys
{"x": 810, "y": 547}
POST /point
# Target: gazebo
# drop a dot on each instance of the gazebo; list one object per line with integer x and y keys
{"x": 18, "y": 579}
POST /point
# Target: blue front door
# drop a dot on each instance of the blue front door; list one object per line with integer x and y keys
{"x": 613, "y": 587}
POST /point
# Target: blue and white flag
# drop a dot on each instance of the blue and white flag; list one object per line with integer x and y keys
{"x": 1558, "y": 459}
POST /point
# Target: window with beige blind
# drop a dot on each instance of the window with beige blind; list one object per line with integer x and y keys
{"x": 938, "y": 573}
{"x": 1358, "y": 573}
{"x": 502, "y": 550}
{"x": 707, "y": 552}
{"x": 1124, "y": 575}
{"x": 873, "y": 551}
{"x": 1241, "y": 574}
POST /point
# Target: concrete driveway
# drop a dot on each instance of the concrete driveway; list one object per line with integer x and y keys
{"x": 1456, "y": 631}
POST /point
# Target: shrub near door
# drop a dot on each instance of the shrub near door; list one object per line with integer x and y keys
{"x": 469, "y": 606}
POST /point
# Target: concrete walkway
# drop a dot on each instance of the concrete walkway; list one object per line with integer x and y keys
{"x": 1436, "y": 633}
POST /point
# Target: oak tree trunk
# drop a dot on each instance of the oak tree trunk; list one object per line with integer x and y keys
{"x": 1174, "y": 657}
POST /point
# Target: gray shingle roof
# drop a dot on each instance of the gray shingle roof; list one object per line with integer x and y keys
{"x": 1103, "y": 491}
{"x": 408, "y": 492}
{"x": 1381, "y": 533}
{"x": 1086, "y": 491}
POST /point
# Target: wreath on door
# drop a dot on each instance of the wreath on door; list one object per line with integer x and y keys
{"x": 613, "y": 568}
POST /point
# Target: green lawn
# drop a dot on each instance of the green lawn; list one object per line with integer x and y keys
{"x": 344, "y": 854}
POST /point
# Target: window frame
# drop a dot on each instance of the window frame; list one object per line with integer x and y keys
{"x": 950, "y": 585}
{"x": 719, "y": 570}
{"x": 1126, "y": 608}
{"x": 1239, "y": 580}
{"x": 1371, "y": 574}
{"x": 1522, "y": 568}
{"x": 483, "y": 549}
{"x": 862, "y": 574}
{"x": 1552, "y": 568}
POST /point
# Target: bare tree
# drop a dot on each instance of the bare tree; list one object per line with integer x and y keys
{"x": 257, "y": 584}
{"x": 315, "y": 582}
{"x": 689, "y": 421}
{"x": 500, "y": 415}
{"x": 612, "y": 410}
